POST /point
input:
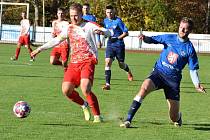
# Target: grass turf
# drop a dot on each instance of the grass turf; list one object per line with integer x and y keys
{"x": 54, "y": 117}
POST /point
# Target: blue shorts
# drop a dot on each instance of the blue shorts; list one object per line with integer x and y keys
{"x": 171, "y": 88}
{"x": 116, "y": 52}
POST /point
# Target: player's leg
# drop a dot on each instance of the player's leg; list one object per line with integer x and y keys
{"x": 17, "y": 51}
{"x": 120, "y": 55}
{"x": 109, "y": 57}
{"x": 174, "y": 113}
{"x": 72, "y": 80}
{"x": 108, "y": 73}
{"x": 145, "y": 89}
{"x": 87, "y": 76}
{"x": 91, "y": 99}
{"x": 54, "y": 56}
{"x": 26, "y": 40}
{"x": 30, "y": 50}
{"x": 172, "y": 95}
{"x": 65, "y": 56}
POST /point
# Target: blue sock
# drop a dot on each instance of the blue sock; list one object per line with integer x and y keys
{"x": 133, "y": 109}
{"x": 108, "y": 76}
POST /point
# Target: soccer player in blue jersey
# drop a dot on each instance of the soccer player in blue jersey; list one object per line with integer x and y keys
{"x": 90, "y": 17}
{"x": 167, "y": 73}
{"x": 115, "y": 45}
{"x": 86, "y": 13}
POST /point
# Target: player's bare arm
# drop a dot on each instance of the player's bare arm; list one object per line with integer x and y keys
{"x": 53, "y": 29}
{"x": 200, "y": 89}
{"x": 123, "y": 35}
{"x": 50, "y": 44}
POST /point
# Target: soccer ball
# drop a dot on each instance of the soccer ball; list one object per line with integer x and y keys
{"x": 21, "y": 109}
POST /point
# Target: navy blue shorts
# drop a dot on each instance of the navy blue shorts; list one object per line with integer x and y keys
{"x": 116, "y": 52}
{"x": 171, "y": 88}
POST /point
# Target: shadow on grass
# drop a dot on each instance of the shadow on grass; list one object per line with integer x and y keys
{"x": 27, "y": 76}
{"x": 64, "y": 125}
{"x": 200, "y": 127}
{"x": 118, "y": 79}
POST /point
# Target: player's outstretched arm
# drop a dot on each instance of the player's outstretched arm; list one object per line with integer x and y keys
{"x": 200, "y": 88}
{"x": 52, "y": 43}
{"x": 146, "y": 39}
{"x": 103, "y": 31}
{"x": 195, "y": 79}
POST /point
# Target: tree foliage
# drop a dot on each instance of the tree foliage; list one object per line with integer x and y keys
{"x": 151, "y": 15}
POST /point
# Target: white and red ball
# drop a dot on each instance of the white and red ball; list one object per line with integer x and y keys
{"x": 21, "y": 109}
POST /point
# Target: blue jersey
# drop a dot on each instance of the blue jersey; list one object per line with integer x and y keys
{"x": 89, "y": 17}
{"x": 175, "y": 55}
{"x": 118, "y": 28}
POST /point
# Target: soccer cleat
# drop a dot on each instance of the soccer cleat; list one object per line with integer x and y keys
{"x": 97, "y": 119}
{"x": 106, "y": 87}
{"x": 13, "y": 58}
{"x": 179, "y": 122}
{"x": 126, "y": 124}
{"x": 32, "y": 59}
{"x": 130, "y": 76}
{"x": 86, "y": 113}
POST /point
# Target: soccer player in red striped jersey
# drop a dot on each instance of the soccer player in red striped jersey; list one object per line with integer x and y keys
{"x": 24, "y": 37}
{"x": 84, "y": 57}
{"x": 61, "y": 50}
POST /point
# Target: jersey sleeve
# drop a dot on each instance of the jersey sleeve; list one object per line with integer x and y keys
{"x": 107, "y": 32}
{"x": 64, "y": 33}
{"x": 193, "y": 59}
{"x": 159, "y": 39}
{"x": 53, "y": 32}
{"x": 122, "y": 26}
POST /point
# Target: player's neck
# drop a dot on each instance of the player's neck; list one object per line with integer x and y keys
{"x": 184, "y": 39}
{"x": 60, "y": 20}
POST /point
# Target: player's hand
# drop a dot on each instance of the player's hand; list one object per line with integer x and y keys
{"x": 100, "y": 32}
{"x": 200, "y": 89}
{"x": 35, "y": 52}
{"x": 141, "y": 37}
{"x": 53, "y": 35}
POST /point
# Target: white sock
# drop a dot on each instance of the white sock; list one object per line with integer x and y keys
{"x": 138, "y": 99}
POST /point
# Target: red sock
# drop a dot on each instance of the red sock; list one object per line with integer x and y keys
{"x": 17, "y": 53}
{"x": 74, "y": 96}
{"x": 93, "y": 103}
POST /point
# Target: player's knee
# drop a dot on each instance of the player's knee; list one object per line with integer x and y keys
{"x": 108, "y": 62}
{"x": 53, "y": 62}
{"x": 86, "y": 91}
{"x": 64, "y": 63}
{"x": 85, "y": 87}
{"x": 66, "y": 90}
{"x": 143, "y": 90}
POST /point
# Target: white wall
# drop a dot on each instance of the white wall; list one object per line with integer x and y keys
{"x": 201, "y": 42}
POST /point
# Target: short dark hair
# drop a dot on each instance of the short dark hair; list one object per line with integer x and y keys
{"x": 109, "y": 7}
{"x": 189, "y": 21}
{"x": 60, "y": 9}
{"x": 86, "y": 4}
{"x": 76, "y": 6}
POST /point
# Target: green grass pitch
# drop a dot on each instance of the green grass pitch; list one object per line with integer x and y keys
{"x": 54, "y": 117}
